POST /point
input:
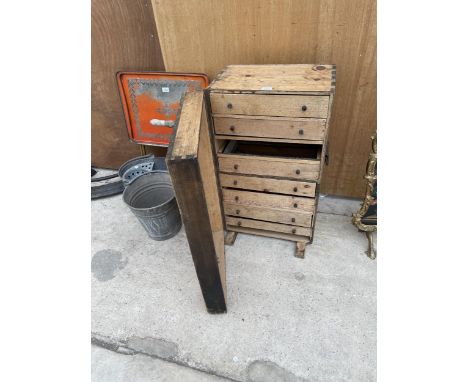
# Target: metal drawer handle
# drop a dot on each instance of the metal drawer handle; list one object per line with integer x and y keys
{"x": 295, "y": 189}
{"x": 301, "y": 131}
{"x": 304, "y": 107}
{"x": 239, "y": 224}
{"x": 295, "y": 205}
{"x": 236, "y": 198}
{"x": 229, "y": 105}
{"x": 237, "y": 212}
{"x": 298, "y": 172}
{"x": 235, "y": 182}
{"x": 232, "y": 128}
{"x": 293, "y": 220}
{"x": 236, "y": 167}
{"x": 294, "y": 230}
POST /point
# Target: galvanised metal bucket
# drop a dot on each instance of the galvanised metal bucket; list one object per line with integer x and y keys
{"x": 152, "y": 200}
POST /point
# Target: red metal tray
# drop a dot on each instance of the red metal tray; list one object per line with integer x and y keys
{"x": 151, "y": 101}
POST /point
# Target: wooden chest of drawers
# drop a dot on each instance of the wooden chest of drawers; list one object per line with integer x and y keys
{"x": 270, "y": 127}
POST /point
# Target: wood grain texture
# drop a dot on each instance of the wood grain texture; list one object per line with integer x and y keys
{"x": 272, "y": 105}
{"x": 258, "y": 224}
{"x": 260, "y": 199}
{"x": 123, "y": 38}
{"x": 269, "y": 166}
{"x": 278, "y": 215}
{"x": 277, "y": 186}
{"x": 298, "y": 128}
{"x": 217, "y": 33}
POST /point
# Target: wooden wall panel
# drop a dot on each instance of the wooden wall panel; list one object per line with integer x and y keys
{"x": 123, "y": 38}
{"x": 204, "y": 36}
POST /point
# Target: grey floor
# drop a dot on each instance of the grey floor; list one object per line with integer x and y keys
{"x": 288, "y": 319}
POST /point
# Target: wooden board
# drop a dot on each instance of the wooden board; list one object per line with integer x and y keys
{"x": 123, "y": 37}
{"x": 269, "y": 166}
{"x": 259, "y": 199}
{"x": 278, "y": 215}
{"x": 278, "y": 186}
{"x": 258, "y": 224}
{"x": 288, "y": 32}
{"x": 279, "y": 127}
{"x": 271, "y": 105}
{"x": 192, "y": 168}
{"x": 277, "y": 79}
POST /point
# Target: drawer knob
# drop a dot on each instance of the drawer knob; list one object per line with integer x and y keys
{"x": 232, "y": 128}
{"x": 237, "y": 212}
{"x": 295, "y": 205}
{"x": 236, "y": 167}
{"x": 298, "y": 172}
{"x": 293, "y": 230}
{"x": 229, "y": 105}
{"x": 293, "y": 220}
{"x": 295, "y": 189}
{"x": 239, "y": 224}
{"x": 235, "y": 182}
{"x": 301, "y": 131}
{"x": 236, "y": 198}
{"x": 304, "y": 107}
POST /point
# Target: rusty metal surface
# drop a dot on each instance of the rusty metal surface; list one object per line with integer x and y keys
{"x": 151, "y": 102}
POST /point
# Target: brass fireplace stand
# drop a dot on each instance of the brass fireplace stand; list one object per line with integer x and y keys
{"x": 371, "y": 178}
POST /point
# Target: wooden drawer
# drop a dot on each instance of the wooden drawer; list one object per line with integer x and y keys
{"x": 279, "y": 186}
{"x": 276, "y": 227}
{"x": 277, "y": 215}
{"x": 291, "y": 160}
{"x": 287, "y": 168}
{"x": 271, "y": 127}
{"x": 273, "y": 105}
{"x": 259, "y": 199}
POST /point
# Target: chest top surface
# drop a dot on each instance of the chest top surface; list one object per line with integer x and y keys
{"x": 276, "y": 79}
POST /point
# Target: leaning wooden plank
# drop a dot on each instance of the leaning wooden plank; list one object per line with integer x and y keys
{"x": 192, "y": 169}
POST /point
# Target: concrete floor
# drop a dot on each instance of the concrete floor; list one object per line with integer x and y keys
{"x": 288, "y": 319}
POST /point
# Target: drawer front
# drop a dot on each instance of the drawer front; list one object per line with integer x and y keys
{"x": 272, "y": 105}
{"x": 298, "y": 218}
{"x": 279, "y": 186}
{"x": 283, "y": 228}
{"x": 303, "y": 129}
{"x": 256, "y": 165}
{"x": 258, "y": 199}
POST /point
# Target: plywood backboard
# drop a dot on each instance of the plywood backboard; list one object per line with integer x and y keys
{"x": 205, "y": 36}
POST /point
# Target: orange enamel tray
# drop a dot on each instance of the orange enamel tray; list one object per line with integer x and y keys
{"x": 151, "y": 101}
